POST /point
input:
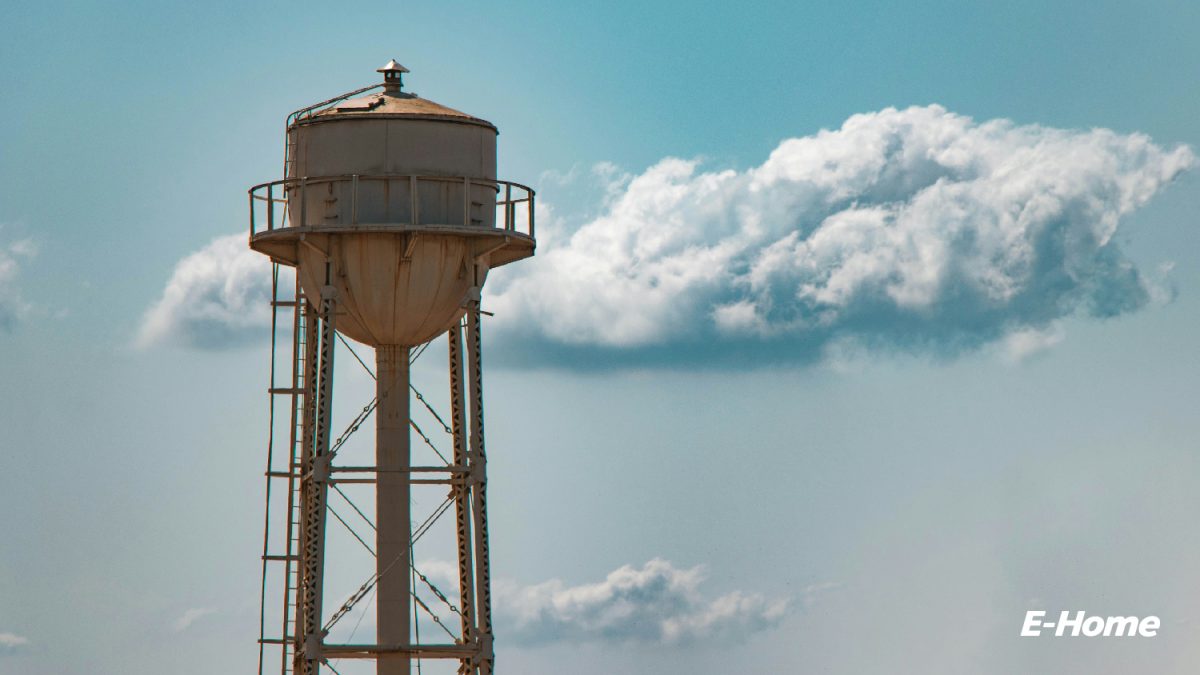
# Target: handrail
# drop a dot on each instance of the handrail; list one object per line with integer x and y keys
{"x": 309, "y": 111}
{"x": 265, "y": 193}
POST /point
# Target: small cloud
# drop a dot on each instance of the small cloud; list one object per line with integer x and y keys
{"x": 217, "y": 298}
{"x": 10, "y": 643}
{"x": 811, "y": 591}
{"x": 12, "y": 306}
{"x": 1161, "y": 284}
{"x": 25, "y": 248}
{"x": 657, "y": 603}
{"x": 190, "y": 616}
{"x": 1020, "y": 345}
{"x": 559, "y": 178}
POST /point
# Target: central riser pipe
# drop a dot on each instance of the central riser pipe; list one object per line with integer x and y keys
{"x": 394, "y": 533}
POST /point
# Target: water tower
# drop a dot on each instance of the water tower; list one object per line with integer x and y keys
{"x": 392, "y": 216}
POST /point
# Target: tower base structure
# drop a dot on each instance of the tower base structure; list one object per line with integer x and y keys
{"x": 300, "y": 481}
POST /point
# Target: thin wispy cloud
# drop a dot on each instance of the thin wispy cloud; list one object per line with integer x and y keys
{"x": 190, "y": 617}
{"x": 917, "y": 230}
{"x": 10, "y": 643}
{"x": 13, "y": 256}
{"x": 217, "y": 298}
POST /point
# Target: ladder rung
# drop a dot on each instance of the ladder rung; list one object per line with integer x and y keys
{"x": 281, "y": 557}
{"x": 285, "y": 390}
{"x": 282, "y": 474}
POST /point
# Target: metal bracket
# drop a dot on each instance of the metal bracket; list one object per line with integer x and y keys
{"x": 312, "y": 647}
{"x": 409, "y": 246}
{"x": 477, "y": 468}
{"x": 321, "y": 468}
{"x": 485, "y": 647}
{"x": 472, "y": 295}
{"x": 305, "y": 242}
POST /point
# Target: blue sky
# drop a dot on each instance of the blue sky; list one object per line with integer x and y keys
{"x": 909, "y": 499}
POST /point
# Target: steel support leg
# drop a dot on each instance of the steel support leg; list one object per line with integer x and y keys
{"x": 478, "y": 474}
{"x": 462, "y": 497}
{"x": 394, "y": 534}
{"x": 315, "y": 492}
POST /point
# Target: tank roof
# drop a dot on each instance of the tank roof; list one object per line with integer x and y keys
{"x": 396, "y": 105}
{"x": 389, "y": 105}
{"x": 392, "y": 102}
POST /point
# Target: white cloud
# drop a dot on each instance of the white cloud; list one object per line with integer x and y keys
{"x": 915, "y": 229}
{"x": 657, "y": 603}
{"x": 12, "y": 306}
{"x": 190, "y": 617}
{"x": 11, "y": 642}
{"x": 217, "y": 297}
{"x": 1025, "y": 343}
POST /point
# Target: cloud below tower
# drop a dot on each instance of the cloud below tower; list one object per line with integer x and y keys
{"x": 656, "y": 604}
{"x": 13, "y": 306}
{"x": 11, "y": 643}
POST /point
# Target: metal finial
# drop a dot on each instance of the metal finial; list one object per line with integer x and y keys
{"x": 393, "y": 74}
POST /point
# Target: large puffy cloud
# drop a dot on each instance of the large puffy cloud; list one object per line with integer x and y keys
{"x": 916, "y": 229}
{"x": 217, "y": 297}
{"x": 12, "y": 305}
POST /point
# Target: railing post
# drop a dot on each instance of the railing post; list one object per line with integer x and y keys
{"x": 303, "y": 201}
{"x": 466, "y": 201}
{"x": 508, "y": 208}
{"x": 270, "y": 207}
{"x": 531, "y": 195}
{"x": 252, "y": 213}
{"x": 413, "y": 201}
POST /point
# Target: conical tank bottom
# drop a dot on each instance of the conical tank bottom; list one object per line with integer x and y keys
{"x": 392, "y": 288}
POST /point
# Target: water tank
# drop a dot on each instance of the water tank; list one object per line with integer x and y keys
{"x": 393, "y": 200}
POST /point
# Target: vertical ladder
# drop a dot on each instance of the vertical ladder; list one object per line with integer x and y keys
{"x": 298, "y": 396}
{"x": 291, "y": 574}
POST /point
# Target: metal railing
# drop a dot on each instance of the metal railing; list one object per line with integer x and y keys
{"x": 309, "y": 111}
{"x": 273, "y": 198}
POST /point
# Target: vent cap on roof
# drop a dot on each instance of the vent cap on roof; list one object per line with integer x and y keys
{"x": 393, "y": 74}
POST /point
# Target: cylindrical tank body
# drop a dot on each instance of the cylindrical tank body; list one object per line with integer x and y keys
{"x": 393, "y": 140}
{"x": 398, "y": 180}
